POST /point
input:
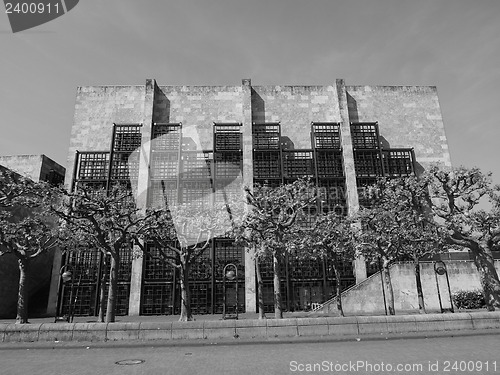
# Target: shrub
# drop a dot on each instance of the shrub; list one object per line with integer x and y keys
{"x": 468, "y": 299}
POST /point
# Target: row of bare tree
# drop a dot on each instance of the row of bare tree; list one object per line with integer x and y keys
{"x": 407, "y": 218}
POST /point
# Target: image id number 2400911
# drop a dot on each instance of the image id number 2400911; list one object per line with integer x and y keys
{"x": 33, "y": 8}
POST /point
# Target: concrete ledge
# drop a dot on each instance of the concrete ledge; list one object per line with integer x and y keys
{"x": 282, "y": 328}
{"x": 90, "y": 331}
{"x": 338, "y": 326}
{"x": 187, "y": 330}
{"x": 155, "y": 331}
{"x": 122, "y": 331}
{"x": 458, "y": 321}
{"x": 401, "y": 324}
{"x": 250, "y": 328}
{"x": 430, "y": 322}
{"x": 312, "y": 327}
{"x": 21, "y": 332}
{"x": 56, "y": 332}
{"x": 485, "y": 319}
{"x": 218, "y": 329}
{"x": 372, "y": 324}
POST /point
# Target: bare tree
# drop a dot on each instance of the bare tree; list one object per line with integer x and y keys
{"x": 457, "y": 197}
{"x": 272, "y": 223}
{"x": 27, "y": 231}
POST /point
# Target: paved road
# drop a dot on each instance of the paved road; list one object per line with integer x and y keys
{"x": 459, "y": 355}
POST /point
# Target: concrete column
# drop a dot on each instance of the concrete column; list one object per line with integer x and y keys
{"x": 350, "y": 173}
{"x": 54, "y": 283}
{"x": 143, "y": 184}
{"x": 250, "y": 287}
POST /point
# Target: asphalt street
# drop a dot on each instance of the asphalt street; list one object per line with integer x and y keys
{"x": 470, "y": 354}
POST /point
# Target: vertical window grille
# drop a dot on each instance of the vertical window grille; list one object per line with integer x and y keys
{"x": 228, "y": 137}
{"x": 329, "y": 164}
{"x": 127, "y": 138}
{"x": 365, "y": 136}
{"x": 164, "y": 165}
{"x": 326, "y": 136}
{"x": 297, "y": 164}
{"x": 166, "y": 137}
{"x": 93, "y": 166}
{"x": 368, "y": 163}
{"x": 228, "y": 165}
{"x": 197, "y": 165}
{"x": 266, "y": 136}
{"x": 398, "y": 162}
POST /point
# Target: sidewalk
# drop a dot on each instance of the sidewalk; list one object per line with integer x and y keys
{"x": 247, "y": 327}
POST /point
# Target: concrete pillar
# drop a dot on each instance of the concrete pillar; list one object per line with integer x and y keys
{"x": 350, "y": 173}
{"x": 142, "y": 193}
{"x": 250, "y": 287}
{"x": 54, "y": 283}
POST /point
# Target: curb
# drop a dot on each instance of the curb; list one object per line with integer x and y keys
{"x": 249, "y": 328}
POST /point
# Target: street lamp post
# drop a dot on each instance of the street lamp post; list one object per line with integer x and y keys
{"x": 229, "y": 274}
{"x": 67, "y": 276}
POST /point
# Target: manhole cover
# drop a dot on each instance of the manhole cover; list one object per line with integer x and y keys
{"x": 129, "y": 362}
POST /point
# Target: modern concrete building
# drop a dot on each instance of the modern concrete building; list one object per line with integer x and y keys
{"x": 196, "y": 143}
{"x": 36, "y": 168}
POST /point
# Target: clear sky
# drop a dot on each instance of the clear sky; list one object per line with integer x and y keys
{"x": 451, "y": 44}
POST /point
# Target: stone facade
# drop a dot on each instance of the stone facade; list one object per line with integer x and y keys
{"x": 407, "y": 117}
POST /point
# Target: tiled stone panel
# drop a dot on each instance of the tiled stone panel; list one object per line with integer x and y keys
{"x": 96, "y": 109}
{"x": 408, "y": 116}
{"x": 26, "y": 165}
{"x": 199, "y": 106}
{"x": 295, "y": 107}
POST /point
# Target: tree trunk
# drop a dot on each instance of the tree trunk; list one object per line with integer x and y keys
{"x": 278, "y": 312}
{"x": 113, "y": 285}
{"x": 420, "y": 292}
{"x": 483, "y": 259}
{"x": 338, "y": 287}
{"x": 260, "y": 290}
{"x": 22, "y": 297}
{"x": 389, "y": 294}
{"x": 186, "y": 314}
{"x": 102, "y": 293}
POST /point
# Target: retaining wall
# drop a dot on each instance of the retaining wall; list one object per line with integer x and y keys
{"x": 249, "y": 328}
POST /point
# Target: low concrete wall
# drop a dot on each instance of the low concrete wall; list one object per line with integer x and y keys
{"x": 247, "y": 329}
{"x": 367, "y": 297}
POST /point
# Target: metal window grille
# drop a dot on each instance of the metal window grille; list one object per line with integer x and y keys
{"x": 368, "y": 164}
{"x": 266, "y": 165}
{"x": 398, "y": 163}
{"x": 298, "y": 164}
{"x": 166, "y": 137}
{"x": 125, "y": 166}
{"x": 228, "y": 137}
{"x": 164, "y": 165}
{"x": 266, "y": 136}
{"x": 228, "y": 164}
{"x": 196, "y": 191}
{"x": 365, "y": 136}
{"x": 157, "y": 299}
{"x": 162, "y": 193}
{"x": 93, "y": 166}
{"x": 197, "y": 165}
{"x": 156, "y": 268}
{"x": 326, "y": 136}
{"x": 127, "y": 138}
{"x": 329, "y": 164}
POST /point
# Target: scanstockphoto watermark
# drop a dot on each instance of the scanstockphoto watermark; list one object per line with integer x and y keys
{"x": 25, "y": 14}
{"x": 364, "y": 367}
{"x": 357, "y": 366}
